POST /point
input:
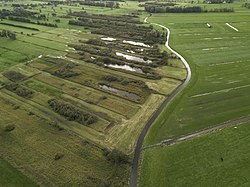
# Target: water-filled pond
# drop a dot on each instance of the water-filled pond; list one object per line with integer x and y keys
{"x": 136, "y": 43}
{"x": 134, "y": 58}
{"x": 125, "y": 67}
{"x": 108, "y": 39}
{"x": 120, "y": 92}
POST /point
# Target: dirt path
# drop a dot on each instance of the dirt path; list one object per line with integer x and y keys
{"x": 197, "y": 134}
{"x": 138, "y": 148}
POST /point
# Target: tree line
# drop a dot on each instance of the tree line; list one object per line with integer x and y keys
{"x": 22, "y": 15}
{"x": 218, "y": 1}
{"x": 193, "y": 9}
{"x": 117, "y": 28}
{"x": 108, "y": 4}
{"x": 71, "y": 112}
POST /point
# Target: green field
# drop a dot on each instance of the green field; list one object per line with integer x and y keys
{"x": 197, "y": 162}
{"x": 218, "y": 92}
{"x": 12, "y": 177}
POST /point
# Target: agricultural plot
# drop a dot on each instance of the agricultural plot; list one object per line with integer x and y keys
{"x": 75, "y": 93}
{"x": 218, "y": 92}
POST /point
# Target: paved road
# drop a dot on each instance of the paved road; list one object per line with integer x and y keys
{"x": 138, "y": 148}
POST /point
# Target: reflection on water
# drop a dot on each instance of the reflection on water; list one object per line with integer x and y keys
{"x": 134, "y": 58}
{"x": 120, "y": 92}
{"x": 136, "y": 43}
{"x": 125, "y": 67}
{"x": 108, "y": 39}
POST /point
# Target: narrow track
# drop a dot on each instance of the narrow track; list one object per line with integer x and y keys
{"x": 138, "y": 148}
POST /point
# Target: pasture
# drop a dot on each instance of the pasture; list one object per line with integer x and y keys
{"x": 217, "y": 159}
{"x": 218, "y": 92}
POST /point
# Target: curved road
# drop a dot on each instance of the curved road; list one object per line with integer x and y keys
{"x": 135, "y": 164}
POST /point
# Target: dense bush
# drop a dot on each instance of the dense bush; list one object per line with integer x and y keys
{"x": 56, "y": 126}
{"x": 115, "y": 26}
{"x": 20, "y": 19}
{"x": 71, "y": 113}
{"x": 109, "y": 78}
{"x": 117, "y": 18}
{"x": 19, "y": 12}
{"x": 47, "y": 24}
{"x": 58, "y": 156}
{"x": 220, "y": 10}
{"x": 166, "y": 9}
{"x": 24, "y": 92}
{"x": 14, "y": 76}
{"x": 109, "y": 4}
{"x": 218, "y": 1}
{"x": 118, "y": 157}
{"x": 66, "y": 71}
{"x": 19, "y": 90}
{"x": 194, "y": 9}
{"x": 20, "y": 26}
{"x": 164, "y": 4}
{"x": 9, "y": 127}
{"x": 247, "y": 5}
{"x": 8, "y": 34}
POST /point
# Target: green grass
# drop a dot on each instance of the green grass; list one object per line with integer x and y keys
{"x": 11, "y": 177}
{"x": 218, "y": 92}
{"x": 197, "y": 162}
{"x": 219, "y": 58}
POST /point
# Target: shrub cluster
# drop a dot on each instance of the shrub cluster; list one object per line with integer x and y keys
{"x": 117, "y": 157}
{"x": 109, "y": 4}
{"x": 193, "y": 9}
{"x": 66, "y": 71}
{"x": 19, "y": 90}
{"x": 8, "y": 34}
{"x": 20, "y": 26}
{"x": 9, "y": 127}
{"x": 71, "y": 113}
{"x": 166, "y": 9}
{"x": 246, "y": 5}
{"x": 116, "y": 26}
{"x": 218, "y": 1}
{"x": 14, "y": 76}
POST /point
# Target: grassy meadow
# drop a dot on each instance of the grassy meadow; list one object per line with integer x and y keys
{"x": 217, "y": 159}
{"x": 218, "y": 92}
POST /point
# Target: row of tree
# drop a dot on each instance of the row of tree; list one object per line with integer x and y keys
{"x": 218, "y": 1}
{"x": 166, "y": 9}
{"x": 118, "y": 18}
{"x": 71, "y": 113}
{"x": 108, "y": 4}
{"x": 193, "y": 9}
{"x": 19, "y": 26}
